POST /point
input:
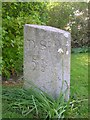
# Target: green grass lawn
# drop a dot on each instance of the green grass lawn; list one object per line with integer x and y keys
{"x": 17, "y": 103}
{"x": 79, "y": 82}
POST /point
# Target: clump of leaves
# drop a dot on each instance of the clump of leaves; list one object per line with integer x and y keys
{"x": 34, "y": 103}
{"x": 12, "y": 32}
{"x": 80, "y": 50}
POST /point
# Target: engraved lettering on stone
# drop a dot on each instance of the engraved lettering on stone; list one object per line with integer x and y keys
{"x": 31, "y": 44}
{"x": 35, "y": 57}
{"x": 28, "y": 39}
{"x": 43, "y": 44}
{"x": 49, "y": 43}
{"x": 57, "y": 44}
{"x": 33, "y": 65}
{"x": 43, "y": 65}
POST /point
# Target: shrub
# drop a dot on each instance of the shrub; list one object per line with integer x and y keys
{"x": 72, "y": 17}
{"x": 14, "y": 16}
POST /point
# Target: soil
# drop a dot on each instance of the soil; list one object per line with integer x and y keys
{"x": 13, "y": 81}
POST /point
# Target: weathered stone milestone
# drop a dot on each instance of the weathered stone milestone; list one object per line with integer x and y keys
{"x": 47, "y": 59}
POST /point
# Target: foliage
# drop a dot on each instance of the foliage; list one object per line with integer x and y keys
{"x": 59, "y": 14}
{"x": 80, "y": 50}
{"x": 14, "y": 16}
{"x": 0, "y": 66}
{"x": 34, "y": 104}
{"x": 72, "y": 17}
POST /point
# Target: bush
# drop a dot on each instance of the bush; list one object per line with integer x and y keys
{"x": 80, "y": 50}
{"x": 72, "y": 17}
{"x": 14, "y": 16}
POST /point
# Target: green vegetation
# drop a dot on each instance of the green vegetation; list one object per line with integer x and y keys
{"x": 79, "y": 81}
{"x": 18, "y": 103}
{"x": 80, "y": 50}
{"x": 14, "y": 17}
{"x": 71, "y": 16}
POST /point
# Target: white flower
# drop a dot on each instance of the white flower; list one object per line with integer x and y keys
{"x": 60, "y": 50}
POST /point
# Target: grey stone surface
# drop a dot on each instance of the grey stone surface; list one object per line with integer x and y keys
{"x": 47, "y": 59}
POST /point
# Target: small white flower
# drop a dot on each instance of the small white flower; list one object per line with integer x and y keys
{"x": 60, "y": 50}
{"x": 67, "y": 52}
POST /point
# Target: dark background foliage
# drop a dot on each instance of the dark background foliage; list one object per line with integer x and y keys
{"x": 72, "y": 17}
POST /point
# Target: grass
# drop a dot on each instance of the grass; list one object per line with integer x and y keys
{"x": 18, "y": 103}
{"x": 79, "y": 82}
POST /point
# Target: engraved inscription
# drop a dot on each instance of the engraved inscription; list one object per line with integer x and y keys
{"x": 33, "y": 65}
{"x": 35, "y": 57}
{"x": 57, "y": 43}
{"x": 49, "y": 43}
{"x": 46, "y": 59}
{"x": 43, "y": 44}
{"x": 31, "y": 44}
{"x": 43, "y": 65}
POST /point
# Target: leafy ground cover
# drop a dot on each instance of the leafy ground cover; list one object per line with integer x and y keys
{"x": 18, "y": 103}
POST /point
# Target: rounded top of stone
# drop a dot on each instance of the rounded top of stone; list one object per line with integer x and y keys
{"x": 48, "y": 28}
